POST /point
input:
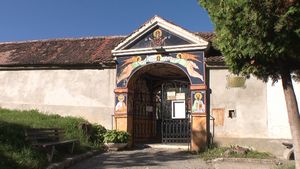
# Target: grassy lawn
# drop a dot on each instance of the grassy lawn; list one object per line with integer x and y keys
{"x": 222, "y": 152}
{"x": 16, "y": 153}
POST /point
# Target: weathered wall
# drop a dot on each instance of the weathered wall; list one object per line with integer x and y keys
{"x": 278, "y": 125}
{"x": 85, "y": 93}
{"x": 249, "y": 103}
{"x": 261, "y": 109}
{"x": 261, "y": 121}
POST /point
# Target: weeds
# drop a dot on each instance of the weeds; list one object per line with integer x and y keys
{"x": 226, "y": 152}
{"x": 16, "y": 153}
{"x": 286, "y": 166}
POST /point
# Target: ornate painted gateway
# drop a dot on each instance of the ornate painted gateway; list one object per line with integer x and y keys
{"x": 160, "y": 93}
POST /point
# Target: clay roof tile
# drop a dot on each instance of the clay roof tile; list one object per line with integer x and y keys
{"x": 79, "y": 51}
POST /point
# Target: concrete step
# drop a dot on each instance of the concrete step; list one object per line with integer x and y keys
{"x": 181, "y": 146}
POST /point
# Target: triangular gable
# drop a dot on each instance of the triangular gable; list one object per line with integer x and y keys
{"x": 153, "y": 36}
{"x": 158, "y": 37}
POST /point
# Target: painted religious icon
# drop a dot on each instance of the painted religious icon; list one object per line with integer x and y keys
{"x": 121, "y": 104}
{"x": 158, "y": 39}
{"x": 198, "y": 103}
{"x": 187, "y": 60}
{"x": 191, "y": 63}
{"x": 129, "y": 64}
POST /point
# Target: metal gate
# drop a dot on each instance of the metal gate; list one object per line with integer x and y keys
{"x": 174, "y": 130}
{"x": 153, "y": 120}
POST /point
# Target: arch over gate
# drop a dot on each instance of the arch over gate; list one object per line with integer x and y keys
{"x": 192, "y": 63}
{"x": 184, "y": 66}
{"x": 159, "y": 42}
{"x": 153, "y": 67}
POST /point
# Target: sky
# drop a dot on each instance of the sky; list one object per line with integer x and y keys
{"x": 22, "y": 20}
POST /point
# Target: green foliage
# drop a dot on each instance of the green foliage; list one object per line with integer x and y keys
{"x": 220, "y": 152}
{"x": 261, "y": 37}
{"x": 114, "y": 136}
{"x": 257, "y": 37}
{"x": 98, "y": 132}
{"x": 286, "y": 166}
{"x": 34, "y": 119}
{"x": 16, "y": 153}
{"x": 213, "y": 153}
{"x": 253, "y": 154}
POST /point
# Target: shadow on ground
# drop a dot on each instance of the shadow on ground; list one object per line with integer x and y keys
{"x": 139, "y": 157}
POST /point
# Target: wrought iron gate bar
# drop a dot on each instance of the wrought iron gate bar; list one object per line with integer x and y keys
{"x": 176, "y": 130}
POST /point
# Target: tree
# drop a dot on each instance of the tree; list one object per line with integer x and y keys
{"x": 262, "y": 38}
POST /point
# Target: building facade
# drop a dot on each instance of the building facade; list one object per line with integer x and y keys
{"x": 161, "y": 83}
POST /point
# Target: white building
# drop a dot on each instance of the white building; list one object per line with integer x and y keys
{"x": 84, "y": 77}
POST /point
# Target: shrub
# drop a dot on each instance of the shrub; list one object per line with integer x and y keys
{"x": 97, "y": 134}
{"x": 114, "y": 136}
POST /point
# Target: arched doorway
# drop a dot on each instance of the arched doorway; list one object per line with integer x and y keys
{"x": 150, "y": 54}
{"x": 160, "y": 105}
{"x": 148, "y": 74}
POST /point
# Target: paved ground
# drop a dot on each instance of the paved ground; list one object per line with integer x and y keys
{"x": 162, "y": 158}
{"x": 143, "y": 158}
{"x": 243, "y": 164}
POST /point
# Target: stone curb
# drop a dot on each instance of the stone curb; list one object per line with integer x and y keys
{"x": 72, "y": 160}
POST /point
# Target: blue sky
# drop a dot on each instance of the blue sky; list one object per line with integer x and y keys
{"x": 46, "y": 19}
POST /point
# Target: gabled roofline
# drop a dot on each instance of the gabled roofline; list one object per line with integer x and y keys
{"x": 197, "y": 42}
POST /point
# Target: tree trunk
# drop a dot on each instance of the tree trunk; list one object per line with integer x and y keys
{"x": 293, "y": 114}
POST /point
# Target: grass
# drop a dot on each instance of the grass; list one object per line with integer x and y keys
{"x": 286, "y": 166}
{"x": 16, "y": 153}
{"x": 219, "y": 152}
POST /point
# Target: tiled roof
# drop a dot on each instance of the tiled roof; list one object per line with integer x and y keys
{"x": 206, "y": 35}
{"x": 71, "y": 52}
{"x": 81, "y": 51}
{"x": 214, "y": 57}
{"x": 215, "y": 60}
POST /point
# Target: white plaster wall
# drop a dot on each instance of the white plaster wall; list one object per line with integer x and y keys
{"x": 84, "y": 93}
{"x": 249, "y": 103}
{"x": 278, "y": 124}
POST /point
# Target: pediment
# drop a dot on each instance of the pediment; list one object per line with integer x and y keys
{"x": 159, "y": 35}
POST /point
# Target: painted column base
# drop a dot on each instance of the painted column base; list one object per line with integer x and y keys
{"x": 199, "y": 133}
{"x": 124, "y": 122}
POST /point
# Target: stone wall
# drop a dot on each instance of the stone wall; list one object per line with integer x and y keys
{"x": 259, "y": 107}
{"x": 261, "y": 120}
{"x": 249, "y": 106}
{"x": 84, "y": 93}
